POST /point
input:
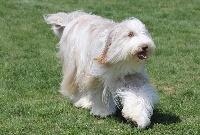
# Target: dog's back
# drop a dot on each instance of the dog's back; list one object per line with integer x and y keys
{"x": 60, "y": 20}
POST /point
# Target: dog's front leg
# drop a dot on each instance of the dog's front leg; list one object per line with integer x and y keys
{"x": 138, "y": 104}
{"x": 98, "y": 107}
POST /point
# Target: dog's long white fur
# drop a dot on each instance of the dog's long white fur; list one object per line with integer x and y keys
{"x": 100, "y": 63}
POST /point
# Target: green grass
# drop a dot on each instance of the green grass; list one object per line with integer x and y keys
{"x": 30, "y": 73}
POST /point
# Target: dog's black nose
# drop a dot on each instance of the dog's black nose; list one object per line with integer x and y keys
{"x": 144, "y": 47}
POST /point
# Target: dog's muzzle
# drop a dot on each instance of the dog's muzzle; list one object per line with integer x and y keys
{"x": 143, "y": 53}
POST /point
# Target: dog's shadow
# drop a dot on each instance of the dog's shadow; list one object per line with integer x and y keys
{"x": 164, "y": 118}
{"x": 158, "y": 118}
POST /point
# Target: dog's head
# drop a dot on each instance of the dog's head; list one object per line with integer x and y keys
{"x": 127, "y": 41}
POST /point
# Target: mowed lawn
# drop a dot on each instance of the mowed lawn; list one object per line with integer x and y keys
{"x": 30, "y": 71}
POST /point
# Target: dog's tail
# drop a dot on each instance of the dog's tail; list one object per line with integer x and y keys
{"x": 60, "y": 20}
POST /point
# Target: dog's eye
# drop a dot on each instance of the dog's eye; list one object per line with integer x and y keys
{"x": 131, "y": 34}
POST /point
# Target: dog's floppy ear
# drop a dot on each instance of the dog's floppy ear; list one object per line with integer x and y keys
{"x": 102, "y": 58}
{"x": 58, "y": 22}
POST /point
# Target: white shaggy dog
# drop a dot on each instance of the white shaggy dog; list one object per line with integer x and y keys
{"x": 103, "y": 64}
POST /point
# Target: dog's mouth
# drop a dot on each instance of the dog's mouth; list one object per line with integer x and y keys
{"x": 142, "y": 55}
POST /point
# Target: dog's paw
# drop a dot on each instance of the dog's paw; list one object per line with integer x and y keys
{"x": 143, "y": 122}
{"x": 102, "y": 112}
{"x": 83, "y": 102}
